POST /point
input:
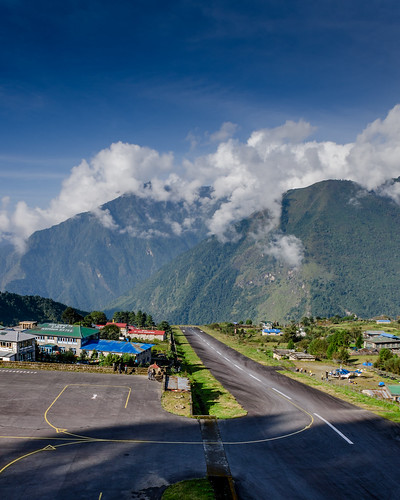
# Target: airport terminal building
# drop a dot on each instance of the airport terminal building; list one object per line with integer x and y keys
{"x": 52, "y": 337}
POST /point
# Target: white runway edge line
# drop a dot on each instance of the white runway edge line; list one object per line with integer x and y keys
{"x": 281, "y": 393}
{"x": 334, "y": 428}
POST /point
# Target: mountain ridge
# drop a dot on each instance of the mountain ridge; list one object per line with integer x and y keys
{"x": 94, "y": 257}
{"x": 350, "y": 264}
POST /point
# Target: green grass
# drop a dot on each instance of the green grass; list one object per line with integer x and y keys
{"x": 253, "y": 349}
{"x": 209, "y": 396}
{"x": 387, "y": 409}
{"x": 193, "y": 489}
{"x": 179, "y": 403}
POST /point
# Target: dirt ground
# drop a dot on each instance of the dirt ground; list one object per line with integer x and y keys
{"x": 369, "y": 379}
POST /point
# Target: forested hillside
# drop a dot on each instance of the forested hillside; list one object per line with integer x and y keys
{"x": 15, "y": 308}
{"x": 93, "y": 258}
{"x": 351, "y": 264}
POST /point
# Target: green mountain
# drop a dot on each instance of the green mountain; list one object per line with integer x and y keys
{"x": 92, "y": 258}
{"x": 350, "y": 241}
{"x": 15, "y": 308}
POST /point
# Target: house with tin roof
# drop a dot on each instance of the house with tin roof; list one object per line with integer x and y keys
{"x": 143, "y": 334}
{"x": 52, "y": 337}
{"x": 16, "y": 345}
{"x": 141, "y": 352}
{"x": 387, "y": 341}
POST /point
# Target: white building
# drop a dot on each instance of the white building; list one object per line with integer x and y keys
{"x": 16, "y": 345}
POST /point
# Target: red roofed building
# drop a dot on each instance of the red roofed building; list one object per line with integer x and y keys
{"x": 123, "y": 327}
{"x": 139, "y": 333}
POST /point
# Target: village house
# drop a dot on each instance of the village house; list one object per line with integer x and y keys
{"x": 52, "y": 337}
{"x": 141, "y": 352}
{"x": 386, "y": 341}
{"x": 272, "y": 331}
{"x": 27, "y": 325}
{"x": 139, "y": 333}
{"x": 16, "y": 345}
{"x": 282, "y": 353}
{"x": 301, "y": 356}
{"x": 123, "y": 327}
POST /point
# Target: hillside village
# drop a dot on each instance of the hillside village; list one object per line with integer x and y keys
{"x": 30, "y": 341}
{"x": 335, "y": 349}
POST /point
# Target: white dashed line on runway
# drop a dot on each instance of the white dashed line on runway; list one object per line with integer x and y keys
{"x": 334, "y": 428}
{"x": 16, "y": 371}
{"x": 281, "y": 393}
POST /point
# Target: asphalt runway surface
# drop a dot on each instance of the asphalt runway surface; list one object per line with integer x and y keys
{"x": 90, "y": 436}
{"x": 297, "y": 442}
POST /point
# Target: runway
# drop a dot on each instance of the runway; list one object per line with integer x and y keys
{"x": 297, "y": 442}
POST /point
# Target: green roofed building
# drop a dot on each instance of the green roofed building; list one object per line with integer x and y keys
{"x": 52, "y": 337}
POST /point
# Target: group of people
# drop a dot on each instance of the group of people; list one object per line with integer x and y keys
{"x": 120, "y": 367}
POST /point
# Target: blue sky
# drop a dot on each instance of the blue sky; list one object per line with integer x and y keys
{"x": 77, "y": 76}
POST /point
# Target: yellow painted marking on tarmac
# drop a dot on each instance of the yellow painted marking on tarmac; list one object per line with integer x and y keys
{"x": 82, "y": 439}
{"x": 60, "y": 430}
{"x": 48, "y": 409}
{"x": 24, "y": 456}
{"x": 127, "y": 399}
{"x": 38, "y": 438}
{"x": 85, "y": 439}
{"x": 101, "y": 494}
{"x": 46, "y": 448}
{"x": 50, "y": 447}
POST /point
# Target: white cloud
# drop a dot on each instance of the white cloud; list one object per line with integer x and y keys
{"x": 105, "y": 218}
{"x": 226, "y": 131}
{"x": 287, "y": 249}
{"x": 245, "y": 176}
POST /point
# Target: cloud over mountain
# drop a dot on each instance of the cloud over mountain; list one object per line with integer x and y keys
{"x": 245, "y": 176}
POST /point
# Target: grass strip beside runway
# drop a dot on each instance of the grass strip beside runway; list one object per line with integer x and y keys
{"x": 209, "y": 396}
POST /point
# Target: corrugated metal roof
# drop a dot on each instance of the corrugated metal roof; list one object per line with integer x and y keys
{"x": 115, "y": 346}
{"x": 61, "y": 330}
{"x": 175, "y": 383}
{"x": 11, "y": 335}
{"x": 394, "y": 389}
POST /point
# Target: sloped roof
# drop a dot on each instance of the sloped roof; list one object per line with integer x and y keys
{"x": 140, "y": 331}
{"x": 10, "y": 335}
{"x": 115, "y": 346}
{"x": 394, "y": 389}
{"x": 384, "y": 340}
{"x": 62, "y": 330}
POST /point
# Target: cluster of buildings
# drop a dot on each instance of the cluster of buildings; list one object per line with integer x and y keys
{"x": 20, "y": 343}
{"x": 131, "y": 331}
{"x": 378, "y": 339}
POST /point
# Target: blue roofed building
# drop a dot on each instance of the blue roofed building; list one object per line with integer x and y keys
{"x": 141, "y": 352}
{"x": 272, "y": 331}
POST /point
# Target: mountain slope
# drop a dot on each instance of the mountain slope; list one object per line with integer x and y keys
{"x": 92, "y": 258}
{"x": 15, "y": 308}
{"x": 351, "y": 264}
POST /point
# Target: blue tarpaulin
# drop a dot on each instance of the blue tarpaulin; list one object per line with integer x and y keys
{"x": 116, "y": 346}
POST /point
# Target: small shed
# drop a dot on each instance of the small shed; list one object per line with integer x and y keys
{"x": 177, "y": 384}
{"x": 282, "y": 353}
{"x": 301, "y": 356}
{"x": 394, "y": 391}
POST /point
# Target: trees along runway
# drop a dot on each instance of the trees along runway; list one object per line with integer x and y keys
{"x": 297, "y": 442}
